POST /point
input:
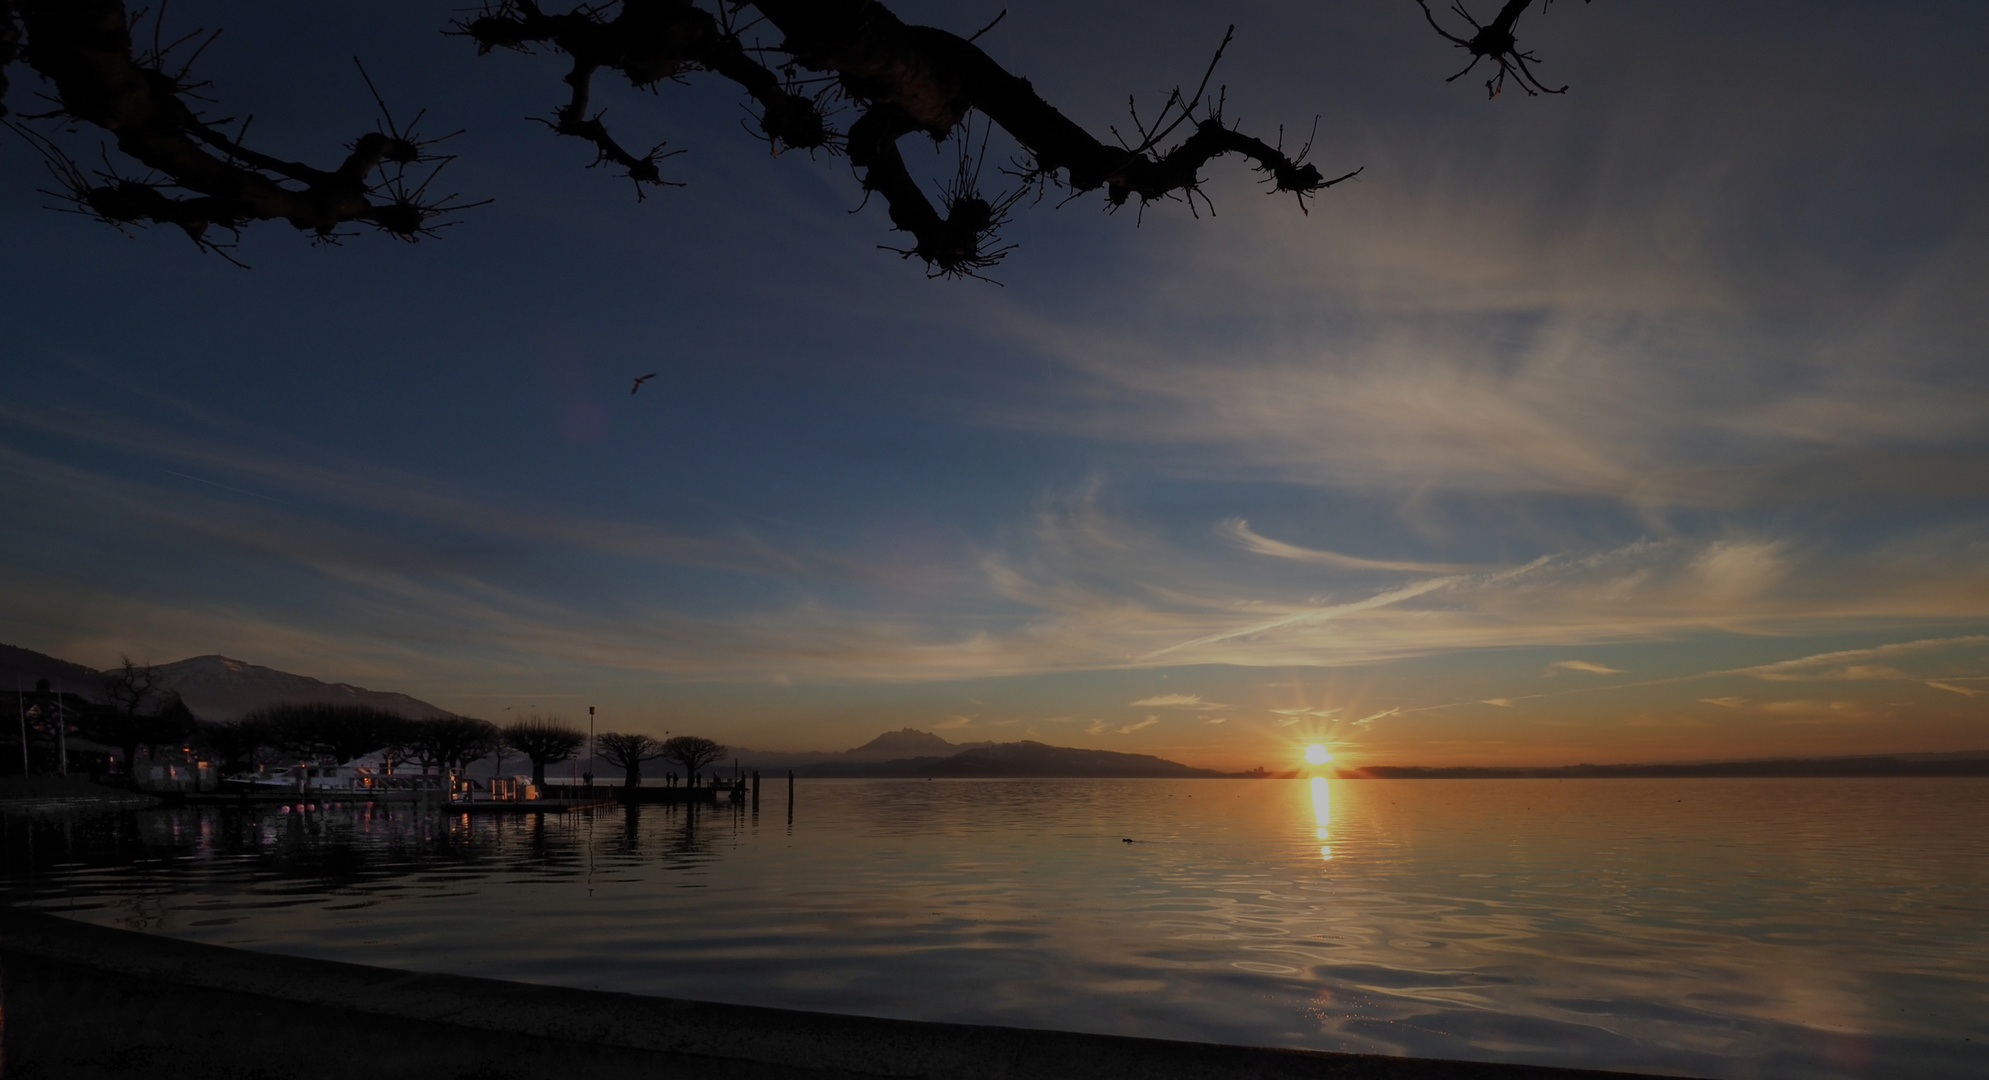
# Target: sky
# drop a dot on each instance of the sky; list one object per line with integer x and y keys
{"x": 1643, "y": 423}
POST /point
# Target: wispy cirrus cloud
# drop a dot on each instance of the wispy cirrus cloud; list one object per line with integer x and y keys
{"x": 1587, "y": 666}
{"x": 1305, "y": 616}
{"x": 1382, "y": 715}
{"x": 1082, "y": 589}
{"x": 1458, "y": 338}
{"x": 1178, "y": 701}
{"x": 1841, "y": 664}
{"x": 1238, "y": 531}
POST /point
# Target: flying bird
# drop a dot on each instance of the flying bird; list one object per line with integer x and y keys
{"x": 639, "y": 380}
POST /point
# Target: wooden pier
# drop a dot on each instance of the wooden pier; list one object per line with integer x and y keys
{"x": 526, "y": 806}
{"x": 644, "y": 796}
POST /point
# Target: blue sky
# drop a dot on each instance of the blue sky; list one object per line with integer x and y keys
{"x": 1646, "y": 422}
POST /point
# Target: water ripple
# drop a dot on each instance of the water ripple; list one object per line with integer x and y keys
{"x": 1722, "y": 928}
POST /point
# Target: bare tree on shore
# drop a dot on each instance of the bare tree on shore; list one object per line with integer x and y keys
{"x": 338, "y": 733}
{"x": 693, "y": 752}
{"x": 546, "y": 740}
{"x": 627, "y": 752}
{"x": 141, "y": 712}
{"x": 237, "y": 745}
{"x": 455, "y": 742}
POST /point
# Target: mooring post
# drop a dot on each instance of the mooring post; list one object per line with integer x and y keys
{"x": 756, "y": 791}
{"x": 790, "y": 796}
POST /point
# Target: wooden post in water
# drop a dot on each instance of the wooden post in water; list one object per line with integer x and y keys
{"x": 756, "y": 791}
{"x": 790, "y": 796}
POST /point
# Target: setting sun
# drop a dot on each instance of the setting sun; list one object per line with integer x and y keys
{"x": 1317, "y": 754}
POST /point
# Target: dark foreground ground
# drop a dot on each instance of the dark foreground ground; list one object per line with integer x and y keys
{"x": 81, "y": 1002}
{"x": 27, "y": 794}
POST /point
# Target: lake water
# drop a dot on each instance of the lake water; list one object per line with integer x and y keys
{"x": 1716, "y": 928}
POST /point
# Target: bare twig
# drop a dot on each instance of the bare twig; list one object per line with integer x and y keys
{"x": 1497, "y": 41}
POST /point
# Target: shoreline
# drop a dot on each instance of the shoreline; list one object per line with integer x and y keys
{"x": 87, "y": 1001}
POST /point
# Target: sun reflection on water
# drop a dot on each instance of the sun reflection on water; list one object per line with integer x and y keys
{"x": 1322, "y": 812}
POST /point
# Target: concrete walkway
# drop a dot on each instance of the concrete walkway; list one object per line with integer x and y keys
{"x": 84, "y": 1002}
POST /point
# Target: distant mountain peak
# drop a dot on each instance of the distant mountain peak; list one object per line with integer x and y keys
{"x": 1031, "y": 758}
{"x": 914, "y": 753}
{"x": 227, "y": 662}
{"x": 906, "y": 739}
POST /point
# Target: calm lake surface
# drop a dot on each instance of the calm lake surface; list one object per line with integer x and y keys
{"x": 1717, "y": 928}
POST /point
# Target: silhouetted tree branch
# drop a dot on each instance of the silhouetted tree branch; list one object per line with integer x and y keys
{"x": 899, "y": 80}
{"x": 10, "y": 47}
{"x": 844, "y": 77}
{"x": 1498, "y": 41}
{"x": 130, "y": 689}
{"x": 198, "y": 176}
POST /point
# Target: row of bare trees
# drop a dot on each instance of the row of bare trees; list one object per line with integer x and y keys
{"x": 628, "y": 752}
{"x": 342, "y": 733}
{"x": 139, "y": 711}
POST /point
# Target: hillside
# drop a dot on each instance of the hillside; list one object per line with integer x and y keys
{"x": 897, "y": 745}
{"x": 22, "y": 667}
{"x": 218, "y": 688}
{"x": 1029, "y": 758}
{"x": 214, "y": 687}
{"x": 1014, "y": 760}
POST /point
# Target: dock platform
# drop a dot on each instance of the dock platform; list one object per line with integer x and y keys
{"x": 616, "y": 793}
{"x": 525, "y": 806}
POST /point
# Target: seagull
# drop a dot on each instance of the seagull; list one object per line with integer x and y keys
{"x": 639, "y": 380}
